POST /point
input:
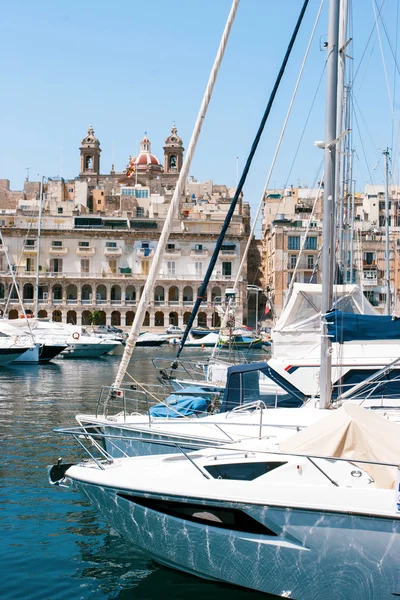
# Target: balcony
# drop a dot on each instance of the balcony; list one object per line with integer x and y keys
{"x": 58, "y": 250}
{"x": 369, "y": 264}
{"x": 85, "y": 251}
{"x": 231, "y": 253}
{"x": 370, "y": 278}
{"x": 112, "y": 251}
{"x": 198, "y": 253}
{"x": 30, "y": 250}
{"x": 173, "y": 252}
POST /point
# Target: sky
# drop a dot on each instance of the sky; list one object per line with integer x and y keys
{"x": 131, "y": 67}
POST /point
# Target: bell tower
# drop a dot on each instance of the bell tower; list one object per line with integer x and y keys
{"x": 173, "y": 153}
{"x": 90, "y": 155}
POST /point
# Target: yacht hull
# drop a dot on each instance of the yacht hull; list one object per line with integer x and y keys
{"x": 87, "y": 350}
{"x": 310, "y": 554}
{"x": 9, "y": 355}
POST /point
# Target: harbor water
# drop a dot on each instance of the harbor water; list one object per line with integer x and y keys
{"x": 53, "y": 544}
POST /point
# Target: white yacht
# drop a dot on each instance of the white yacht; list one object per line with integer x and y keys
{"x": 315, "y": 520}
{"x": 79, "y": 344}
{"x": 39, "y": 350}
{"x": 12, "y": 348}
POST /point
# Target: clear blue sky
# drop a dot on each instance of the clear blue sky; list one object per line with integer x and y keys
{"x": 127, "y": 67}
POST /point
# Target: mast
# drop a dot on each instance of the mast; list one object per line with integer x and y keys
{"x": 329, "y": 195}
{"x": 339, "y": 129}
{"x": 168, "y": 223}
{"x": 38, "y": 250}
{"x": 387, "y": 238}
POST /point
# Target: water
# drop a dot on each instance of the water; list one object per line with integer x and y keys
{"x": 53, "y": 545}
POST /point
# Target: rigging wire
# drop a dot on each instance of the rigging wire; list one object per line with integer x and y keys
{"x": 272, "y": 166}
{"x": 203, "y": 288}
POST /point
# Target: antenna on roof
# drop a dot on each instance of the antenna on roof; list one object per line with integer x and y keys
{"x": 27, "y": 169}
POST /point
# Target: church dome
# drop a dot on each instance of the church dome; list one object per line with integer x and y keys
{"x": 145, "y": 158}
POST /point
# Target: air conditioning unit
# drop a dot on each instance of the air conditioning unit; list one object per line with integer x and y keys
{"x": 45, "y": 295}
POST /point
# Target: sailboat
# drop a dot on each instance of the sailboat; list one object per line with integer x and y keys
{"x": 318, "y": 519}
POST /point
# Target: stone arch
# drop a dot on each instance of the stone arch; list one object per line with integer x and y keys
{"x": 216, "y": 320}
{"x": 42, "y": 314}
{"x": 146, "y": 321}
{"x": 130, "y": 315}
{"x": 72, "y": 293}
{"x": 101, "y": 318}
{"x": 28, "y": 292}
{"x": 188, "y": 294}
{"x": 216, "y": 294}
{"x": 57, "y": 293}
{"x": 202, "y": 319}
{"x": 159, "y": 295}
{"x": 116, "y": 294}
{"x": 115, "y": 317}
{"x": 57, "y": 316}
{"x": 186, "y": 317}
{"x": 159, "y": 319}
{"x": 13, "y": 314}
{"x": 173, "y": 318}
{"x": 101, "y": 293}
{"x": 173, "y": 295}
{"x": 141, "y": 291}
{"x": 13, "y": 292}
{"x": 86, "y": 314}
{"x": 1, "y": 290}
{"x": 130, "y": 294}
{"x": 71, "y": 317}
{"x": 86, "y": 294}
{"x": 204, "y": 297}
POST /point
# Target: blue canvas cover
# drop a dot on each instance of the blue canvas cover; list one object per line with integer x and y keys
{"x": 346, "y": 327}
{"x": 181, "y": 406}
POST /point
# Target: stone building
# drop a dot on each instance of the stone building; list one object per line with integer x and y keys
{"x": 99, "y": 233}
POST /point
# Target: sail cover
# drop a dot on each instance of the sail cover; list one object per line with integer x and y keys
{"x": 352, "y": 432}
{"x": 346, "y": 327}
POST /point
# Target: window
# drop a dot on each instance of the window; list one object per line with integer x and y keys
{"x": 142, "y": 193}
{"x": 310, "y": 262}
{"x": 145, "y": 245}
{"x": 111, "y": 244}
{"x": 369, "y": 258}
{"x": 56, "y": 265}
{"x": 227, "y": 269}
{"x": 70, "y": 190}
{"x": 198, "y": 269}
{"x": 228, "y": 247}
{"x": 30, "y": 243}
{"x": 56, "y": 244}
{"x": 113, "y": 266}
{"x": 293, "y": 261}
{"x": 60, "y": 210}
{"x": 382, "y": 297}
{"x": 85, "y": 265}
{"x": 83, "y": 244}
{"x": 30, "y": 264}
{"x": 99, "y": 201}
{"x": 311, "y": 243}
{"x": 170, "y": 246}
{"x": 198, "y": 247}
{"x": 293, "y": 242}
{"x": 139, "y": 212}
{"x": 171, "y": 267}
{"x": 145, "y": 267}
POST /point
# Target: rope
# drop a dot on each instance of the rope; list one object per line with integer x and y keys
{"x": 160, "y": 250}
{"x": 264, "y": 192}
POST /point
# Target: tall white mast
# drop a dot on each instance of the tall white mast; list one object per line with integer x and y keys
{"x": 387, "y": 237}
{"x": 160, "y": 250}
{"x": 329, "y": 196}
{"x": 38, "y": 249}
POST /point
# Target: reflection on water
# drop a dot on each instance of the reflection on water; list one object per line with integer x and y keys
{"x": 51, "y": 541}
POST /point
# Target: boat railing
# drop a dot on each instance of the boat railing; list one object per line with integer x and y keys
{"x": 192, "y": 369}
{"x": 94, "y": 439}
{"x": 128, "y": 401}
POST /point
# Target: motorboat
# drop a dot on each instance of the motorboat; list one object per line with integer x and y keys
{"x": 151, "y": 339}
{"x": 318, "y": 518}
{"x": 208, "y": 341}
{"x": 11, "y": 348}
{"x": 78, "y": 343}
{"x": 38, "y": 350}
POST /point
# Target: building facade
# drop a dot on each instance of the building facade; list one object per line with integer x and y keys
{"x": 98, "y": 237}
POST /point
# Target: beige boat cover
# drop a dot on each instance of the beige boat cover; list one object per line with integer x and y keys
{"x": 352, "y": 432}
